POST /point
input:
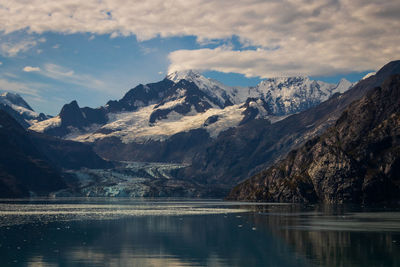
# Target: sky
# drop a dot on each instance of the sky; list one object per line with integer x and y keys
{"x": 92, "y": 51}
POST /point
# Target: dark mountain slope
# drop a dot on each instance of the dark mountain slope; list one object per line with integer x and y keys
{"x": 356, "y": 160}
{"x": 241, "y": 152}
{"x": 68, "y": 154}
{"x": 23, "y": 169}
{"x": 179, "y": 148}
{"x": 16, "y": 116}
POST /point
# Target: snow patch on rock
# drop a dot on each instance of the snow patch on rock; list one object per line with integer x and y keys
{"x": 42, "y": 126}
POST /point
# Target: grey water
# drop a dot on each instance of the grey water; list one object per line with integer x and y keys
{"x": 165, "y": 232}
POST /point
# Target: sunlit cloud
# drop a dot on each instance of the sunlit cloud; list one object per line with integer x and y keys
{"x": 30, "y": 69}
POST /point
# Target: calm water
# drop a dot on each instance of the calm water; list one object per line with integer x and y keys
{"x": 123, "y": 232}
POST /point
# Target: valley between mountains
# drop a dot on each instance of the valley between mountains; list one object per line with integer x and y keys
{"x": 191, "y": 136}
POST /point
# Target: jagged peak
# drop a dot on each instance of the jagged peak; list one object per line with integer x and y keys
{"x": 283, "y": 80}
{"x": 16, "y": 99}
{"x": 11, "y": 96}
{"x": 188, "y": 75}
{"x": 277, "y": 82}
{"x": 344, "y": 81}
{"x": 73, "y": 105}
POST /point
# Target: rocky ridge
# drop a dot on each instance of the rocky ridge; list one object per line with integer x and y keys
{"x": 241, "y": 152}
{"x": 356, "y": 160}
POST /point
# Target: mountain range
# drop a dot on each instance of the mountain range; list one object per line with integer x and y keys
{"x": 184, "y": 101}
{"x": 356, "y": 160}
{"x": 212, "y": 136}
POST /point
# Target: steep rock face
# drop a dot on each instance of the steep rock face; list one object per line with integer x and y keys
{"x": 357, "y": 160}
{"x": 247, "y": 149}
{"x": 140, "y": 96}
{"x": 24, "y": 170}
{"x": 71, "y": 115}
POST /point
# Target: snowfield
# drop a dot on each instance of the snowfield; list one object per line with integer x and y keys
{"x": 46, "y": 124}
{"x": 135, "y": 126}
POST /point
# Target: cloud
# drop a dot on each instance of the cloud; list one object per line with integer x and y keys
{"x": 17, "y": 87}
{"x": 30, "y": 69}
{"x": 65, "y": 75}
{"x": 36, "y": 94}
{"x": 56, "y": 46}
{"x": 12, "y": 47}
{"x": 337, "y": 34}
{"x": 1, "y": 63}
{"x": 271, "y": 63}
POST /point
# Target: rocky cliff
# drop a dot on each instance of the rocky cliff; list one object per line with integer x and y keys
{"x": 356, "y": 160}
{"x": 243, "y": 151}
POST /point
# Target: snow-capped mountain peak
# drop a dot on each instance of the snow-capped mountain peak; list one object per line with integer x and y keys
{"x": 224, "y": 95}
{"x": 287, "y": 80}
{"x": 8, "y": 98}
{"x": 189, "y": 75}
{"x": 288, "y": 95}
{"x": 342, "y": 86}
{"x": 186, "y": 100}
{"x": 19, "y": 109}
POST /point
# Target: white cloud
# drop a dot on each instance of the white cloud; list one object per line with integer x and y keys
{"x": 56, "y": 46}
{"x": 337, "y": 34}
{"x": 17, "y": 87}
{"x": 1, "y": 63}
{"x": 36, "y": 94}
{"x": 11, "y": 48}
{"x": 66, "y": 75}
{"x": 30, "y": 69}
{"x": 271, "y": 63}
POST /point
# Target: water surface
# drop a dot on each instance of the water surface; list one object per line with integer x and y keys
{"x": 161, "y": 232}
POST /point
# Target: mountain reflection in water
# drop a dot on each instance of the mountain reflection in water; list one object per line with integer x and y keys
{"x": 104, "y": 232}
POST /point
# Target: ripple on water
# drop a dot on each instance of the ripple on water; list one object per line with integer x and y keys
{"x": 17, "y": 213}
